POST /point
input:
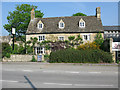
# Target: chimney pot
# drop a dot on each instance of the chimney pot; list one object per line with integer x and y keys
{"x": 32, "y": 14}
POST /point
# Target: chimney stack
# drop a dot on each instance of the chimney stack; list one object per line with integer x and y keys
{"x": 98, "y": 13}
{"x": 32, "y": 14}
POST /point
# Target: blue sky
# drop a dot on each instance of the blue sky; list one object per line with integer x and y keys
{"x": 109, "y": 10}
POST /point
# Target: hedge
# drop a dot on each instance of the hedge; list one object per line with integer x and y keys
{"x": 80, "y": 56}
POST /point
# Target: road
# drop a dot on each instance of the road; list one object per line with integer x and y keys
{"x": 45, "y": 75}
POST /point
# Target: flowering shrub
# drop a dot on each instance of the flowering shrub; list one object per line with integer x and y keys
{"x": 88, "y": 45}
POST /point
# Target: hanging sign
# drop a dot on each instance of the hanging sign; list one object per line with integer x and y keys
{"x": 115, "y": 46}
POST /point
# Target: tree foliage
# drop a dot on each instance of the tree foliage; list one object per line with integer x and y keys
{"x": 79, "y": 14}
{"x": 20, "y": 18}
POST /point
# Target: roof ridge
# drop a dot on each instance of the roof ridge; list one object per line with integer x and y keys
{"x": 64, "y": 17}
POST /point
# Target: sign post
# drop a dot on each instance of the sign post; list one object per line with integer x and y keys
{"x": 13, "y": 32}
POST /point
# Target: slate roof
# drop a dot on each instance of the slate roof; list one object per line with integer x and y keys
{"x": 92, "y": 24}
{"x": 112, "y": 28}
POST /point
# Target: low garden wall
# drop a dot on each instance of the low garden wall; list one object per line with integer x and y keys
{"x": 19, "y": 58}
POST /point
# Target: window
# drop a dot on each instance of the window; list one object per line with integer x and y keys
{"x": 61, "y": 25}
{"x": 82, "y": 23}
{"x": 41, "y": 38}
{"x": 40, "y": 25}
{"x": 40, "y": 50}
{"x": 86, "y": 37}
{"x": 61, "y": 38}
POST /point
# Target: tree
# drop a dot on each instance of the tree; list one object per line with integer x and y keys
{"x": 20, "y": 18}
{"x": 79, "y": 14}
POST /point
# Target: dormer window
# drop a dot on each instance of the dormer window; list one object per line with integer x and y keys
{"x": 82, "y": 23}
{"x": 61, "y": 24}
{"x": 40, "y": 25}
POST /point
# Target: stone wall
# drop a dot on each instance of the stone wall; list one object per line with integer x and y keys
{"x": 19, "y": 58}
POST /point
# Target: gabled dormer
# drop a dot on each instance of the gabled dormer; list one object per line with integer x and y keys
{"x": 40, "y": 25}
{"x": 61, "y": 24}
{"x": 82, "y": 23}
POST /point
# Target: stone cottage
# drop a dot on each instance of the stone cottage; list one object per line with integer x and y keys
{"x": 60, "y": 28}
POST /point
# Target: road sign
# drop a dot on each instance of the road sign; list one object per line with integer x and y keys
{"x": 39, "y": 58}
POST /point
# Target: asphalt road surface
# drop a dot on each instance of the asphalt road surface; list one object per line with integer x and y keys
{"x": 45, "y": 75}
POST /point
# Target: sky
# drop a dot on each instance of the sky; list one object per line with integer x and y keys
{"x": 109, "y": 10}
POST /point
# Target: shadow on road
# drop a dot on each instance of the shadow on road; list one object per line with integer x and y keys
{"x": 34, "y": 88}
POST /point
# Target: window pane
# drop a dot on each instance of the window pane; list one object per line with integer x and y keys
{"x": 61, "y": 38}
{"x": 82, "y": 24}
{"x": 41, "y": 38}
{"x": 61, "y": 24}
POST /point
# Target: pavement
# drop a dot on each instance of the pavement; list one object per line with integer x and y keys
{"x": 46, "y": 75}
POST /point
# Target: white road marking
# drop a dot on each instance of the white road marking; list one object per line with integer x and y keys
{"x": 27, "y": 70}
{"x": 94, "y": 72}
{"x": 9, "y": 81}
{"x": 92, "y": 85}
{"x": 71, "y": 72}
{"x": 56, "y": 84}
{"x": 48, "y": 71}
{"x": 74, "y": 72}
{"x": 9, "y": 70}
{"x": 78, "y": 84}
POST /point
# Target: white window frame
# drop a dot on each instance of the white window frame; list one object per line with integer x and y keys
{"x": 88, "y": 37}
{"x": 39, "y": 25}
{"x": 61, "y": 37}
{"x": 61, "y": 26}
{"x": 82, "y": 24}
{"x": 41, "y": 38}
{"x": 40, "y": 50}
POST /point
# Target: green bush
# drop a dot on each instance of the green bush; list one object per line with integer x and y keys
{"x": 6, "y": 48}
{"x": 80, "y": 56}
{"x": 21, "y": 50}
{"x": 8, "y": 55}
{"x": 33, "y": 59}
{"x": 29, "y": 49}
{"x": 16, "y": 48}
